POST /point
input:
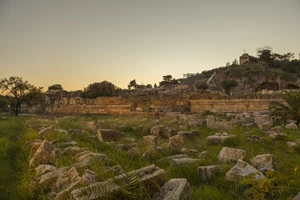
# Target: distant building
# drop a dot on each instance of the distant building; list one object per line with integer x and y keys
{"x": 189, "y": 75}
{"x": 246, "y": 58}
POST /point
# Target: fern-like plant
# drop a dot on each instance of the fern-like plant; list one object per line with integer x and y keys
{"x": 289, "y": 109}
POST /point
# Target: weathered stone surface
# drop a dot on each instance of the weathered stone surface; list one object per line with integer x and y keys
{"x": 109, "y": 135}
{"x": 173, "y": 157}
{"x": 204, "y": 154}
{"x": 96, "y": 156}
{"x": 72, "y": 150}
{"x": 150, "y": 140}
{"x": 116, "y": 170}
{"x": 157, "y": 130}
{"x": 193, "y": 152}
{"x": 207, "y": 172}
{"x": 240, "y": 170}
{"x": 44, "y": 168}
{"x": 51, "y": 196}
{"x": 241, "y": 118}
{"x": 125, "y": 147}
{"x": 231, "y": 155}
{"x": 292, "y": 144}
{"x": 152, "y": 152}
{"x": 213, "y": 122}
{"x": 291, "y": 126}
{"x": 150, "y": 176}
{"x": 134, "y": 152}
{"x": 92, "y": 125}
{"x": 34, "y": 146}
{"x": 66, "y": 179}
{"x": 278, "y": 129}
{"x": 183, "y": 161}
{"x": 174, "y": 189}
{"x": 128, "y": 140}
{"x": 176, "y": 142}
{"x": 88, "y": 177}
{"x": 45, "y": 154}
{"x": 265, "y": 126}
{"x": 297, "y": 197}
{"x": 264, "y": 161}
{"x": 44, "y": 131}
{"x": 277, "y": 136}
{"x": 255, "y": 138}
{"x": 186, "y": 135}
{"x": 263, "y": 119}
{"x": 215, "y": 139}
{"x": 169, "y": 132}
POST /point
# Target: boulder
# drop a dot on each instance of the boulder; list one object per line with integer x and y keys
{"x": 109, "y": 135}
{"x": 176, "y": 142}
{"x": 45, "y": 154}
{"x": 66, "y": 179}
{"x": 150, "y": 140}
{"x": 157, "y": 130}
{"x": 291, "y": 126}
{"x": 174, "y": 189}
{"x": 241, "y": 170}
{"x": 255, "y": 138}
{"x": 231, "y": 155}
{"x": 88, "y": 177}
{"x": 153, "y": 152}
{"x": 264, "y": 161}
{"x": 207, "y": 172}
{"x": 218, "y": 139}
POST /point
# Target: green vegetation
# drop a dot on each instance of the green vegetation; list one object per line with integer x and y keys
{"x": 228, "y": 85}
{"x": 16, "y": 177}
{"x": 21, "y": 91}
{"x": 290, "y": 109}
{"x": 103, "y": 89}
{"x": 55, "y": 87}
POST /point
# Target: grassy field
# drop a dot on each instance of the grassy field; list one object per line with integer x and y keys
{"x": 283, "y": 183}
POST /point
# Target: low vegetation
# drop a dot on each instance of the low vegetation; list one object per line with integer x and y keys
{"x": 16, "y": 176}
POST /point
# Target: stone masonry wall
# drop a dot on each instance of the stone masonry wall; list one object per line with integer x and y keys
{"x": 230, "y": 105}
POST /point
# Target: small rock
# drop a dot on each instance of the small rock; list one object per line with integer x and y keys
{"x": 186, "y": 135}
{"x": 207, "y": 172}
{"x": 193, "y": 152}
{"x": 254, "y": 138}
{"x": 174, "y": 189}
{"x": 128, "y": 140}
{"x": 291, "y": 144}
{"x": 291, "y": 126}
{"x": 183, "y": 161}
{"x": 265, "y": 126}
{"x": 66, "y": 179}
{"x": 231, "y": 155}
{"x": 169, "y": 132}
{"x": 125, "y": 147}
{"x": 134, "y": 152}
{"x": 241, "y": 170}
{"x": 263, "y": 161}
{"x": 277, "y": 136}
{"x": 157, "y": 130}
{"x": 152, "y": 152}
{"x": 150, "y": 140}
{"x": 88, "y": 177}
{"x": 44, "y": 168}
{"x": 278, "y": 129}
{"x": 176, "y": 142}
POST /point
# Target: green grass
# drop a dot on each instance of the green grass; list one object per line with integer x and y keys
{"x": 16, "y": 177}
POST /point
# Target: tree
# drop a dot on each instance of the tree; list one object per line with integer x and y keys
{"x": 228, "y": 85}
{"x": 155, "y": 86}
{"x": 132, "y": 84}
{"x": 55, "y": 87}
{"x": 290, "y": 109}
{"x": 167, "y": 78}
{"x": 22, "y": 92}
{"x": 202, "y": 86}
{"x": 97, "y": 89}
{"x": 149, "y": 86}
{"x": 3, "y": 103}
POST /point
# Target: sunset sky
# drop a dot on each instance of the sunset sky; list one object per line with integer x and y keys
{"x": 78, "y": 42}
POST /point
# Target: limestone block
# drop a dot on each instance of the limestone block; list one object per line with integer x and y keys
{"x": 157, "y": 130}
{"x": 45, "y": 154}
{"x": 264, "y": 161}
{"x": 176, "y": 142}
{"x": 150, "y": 140}
{"x": 231, "y": 155}
{"x": 291, "y": 126}
{"x": 207, "y": 172}
{"x": 44, "y": 168}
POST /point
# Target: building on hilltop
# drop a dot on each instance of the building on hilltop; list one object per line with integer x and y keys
{"x": 246, "y": 58}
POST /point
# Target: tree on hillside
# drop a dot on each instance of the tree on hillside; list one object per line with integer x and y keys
{"x": 22, "y": 92}
{"x": 167, "y": 78}
{"x": 228, "y": 85}
{"x": 132, "y": 84}
{"x": 55, "y": 87}
{"x": 155, "y": 86}
{"x": 105, "y": 88}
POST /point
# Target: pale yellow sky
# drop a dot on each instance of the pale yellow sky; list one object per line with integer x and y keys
{"x": 75, "y": 43}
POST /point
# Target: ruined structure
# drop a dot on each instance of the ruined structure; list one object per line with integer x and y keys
{"x": 246, "y": 58}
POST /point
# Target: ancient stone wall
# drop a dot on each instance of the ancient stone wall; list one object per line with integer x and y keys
{"x": 230, "y": 105}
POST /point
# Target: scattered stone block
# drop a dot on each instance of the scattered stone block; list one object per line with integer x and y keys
{"x": 193, "y": 152}
{"x": 278, "y": 129}
{"x": 213, "y": 122}
{"x": 169, "y": 132}
{"x": 207, "y": 172}
{"x": 265, "y": 126}
{"x": 183, "y": 161}
{"x": 254, "y": 138}
{"x": 150, "y": 140}
{"x": 186, "y": 135}
{"x": 134, "y": 152}
{"x": 157, "y": 130}
{"x": 292, "y": 144}
{"x": 125, "y": 147}
{"x": 92, "y": 125}
{"x": 291, "y": 126}
{"x": 241, "y": 170}
{"x": 44, "y": 131}
{"x": 88, "y": 177}
{"x": 109, "y": 135}
{"x": 231, "y": 155}
{"x": 152, "y": 152}
{"x": 173, "y": 157}
{"x": 128, "y": 140}
{"x": 219, "y": 138}
{"x": 44, "y": 168}
{"x": 45, "y": 154}
{"x": 264, "y": 161}
{"x": 66, "y": 179}
{"x": 176, "y": 142}
{"x": 277, "y": 136}
{"x": 174, "y": 189}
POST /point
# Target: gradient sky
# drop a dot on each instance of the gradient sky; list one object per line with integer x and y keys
{"x": 78, "y": 42}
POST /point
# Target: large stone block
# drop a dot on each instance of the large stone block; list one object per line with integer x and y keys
{"x": 45, "y": 154}
{"x": 231, "y": 155}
